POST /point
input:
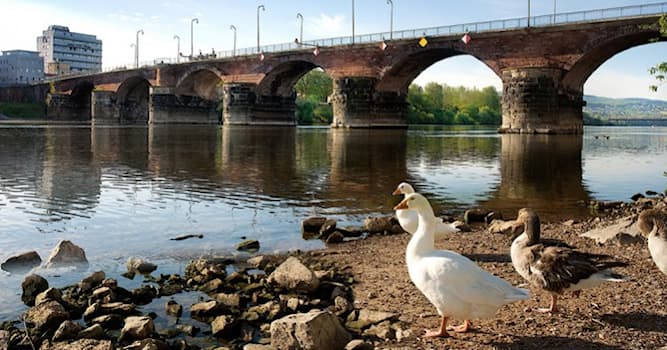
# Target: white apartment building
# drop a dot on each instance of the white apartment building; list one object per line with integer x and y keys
{"x": 82, "y": 52}
{"x": 20, "y": 67}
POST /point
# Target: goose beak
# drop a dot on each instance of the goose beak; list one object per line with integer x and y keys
{"x": 397, "y": 192}
{"x": 402, "y": 205}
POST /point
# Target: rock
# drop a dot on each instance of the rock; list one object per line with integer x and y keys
{"x": 569, "y": 223}
{"x": 260, "y": 261}
{"x": 184, "y": 237}
{"x": 604, "y": 234}
{"x": 626, "y": 239}
{"x": 93, "y": 332}
{"x": 651, "y": 193}
{"x": 382, "y": 331}
{"x": 224, "y": 327}
{"x": 637, "y": 196}
{"x": 92, "y": 281}
{"x": 605, "y": 205}
{"x": 257, "y": 347}
{"x": 33, "y": 285}
{"x": 22, "y": 263}
{"x": 213, "y": 285}
{"x": 203, "y": 310}
{"x": 66, "y": 254}
{"x": 504, "y": 227}
{"x": 49, "y": 295}
{"x": 335, "y": 237}
{"x": 327, "y": 228}
{"x": 66, "y": 331}
{"x": 315, "y": 330}
{"x": 312, "y": 224}
{"x": 475, "y": 215}
{"x": 249, "y": 245}
{"x": 148, "y": 344}
{"x": 229, "y": 300}
{"x": 139, "y": 265}
{"x": 380, "y": 224}
{"x": 46, "y": 316}
{"x": 144, "y": 294}
{"x": 112, "y": 321}
{"x": 137, "y": 327}
{"x": 293, "y": 275}
{"x": 173, "y": 308}
{"x": 82, "y": 344}
{"x": 359, "y": 344}
{"x": 342, "y": 306}
{"x": 117, "y": 308}
{"x": 5, "y": 337}
{"x": 187, "y": 329}
{"x": 373, "y": 317}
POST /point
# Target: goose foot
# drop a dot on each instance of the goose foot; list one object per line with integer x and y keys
{"x": 440, "y": 333}
{"x": 461, "y": 328}
{"x": 553, "y": 307}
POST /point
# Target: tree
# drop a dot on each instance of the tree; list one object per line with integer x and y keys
{"x": 659, "y": 71}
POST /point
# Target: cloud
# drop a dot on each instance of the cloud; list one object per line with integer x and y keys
{"x": 326, "y": 26}
{"x": 612, "y": 83}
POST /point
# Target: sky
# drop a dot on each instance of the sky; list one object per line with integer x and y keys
{"x": 116, "y": 23}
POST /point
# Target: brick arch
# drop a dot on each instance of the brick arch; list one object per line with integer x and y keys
{"x": 81, "y": 95}
{"x": 281, "y": 79}
{"x": 205, "y": 82}
{"x": 601, "y": 52}
{"x": 407, "y": 68}
{"x": 133, "y": 99}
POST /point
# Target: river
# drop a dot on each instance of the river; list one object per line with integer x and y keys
{"x": 125, "y": 191}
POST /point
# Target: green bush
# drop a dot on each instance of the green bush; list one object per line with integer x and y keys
{"x": 22, "y": 110}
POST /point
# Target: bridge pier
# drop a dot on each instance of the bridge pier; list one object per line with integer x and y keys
{"x": 356, "y": 104}
{"x": 535, "y": 102}
{"x": 167, "y": 108}
{"x": 62, "y": 106}
{"x": 242, "y": 106}
{"x": 105, "y": 109}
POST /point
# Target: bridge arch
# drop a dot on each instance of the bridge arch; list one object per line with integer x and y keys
{"x": 133, "y": 100}
{"x": 592, "y": 59}
{"x": 280, "y": 81}
{"x": 201, "y": 82}
{"x": 406, "y": 69}
{"x": 80, "y": 96}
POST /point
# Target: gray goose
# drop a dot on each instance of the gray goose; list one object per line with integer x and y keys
{"x": 557, "y": 268}
{"x": 653, "y": 224}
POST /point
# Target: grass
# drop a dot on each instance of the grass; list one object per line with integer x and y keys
{"x": 22, "y": 110}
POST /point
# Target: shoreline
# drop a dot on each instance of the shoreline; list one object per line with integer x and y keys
{"x": 609, "y": 317}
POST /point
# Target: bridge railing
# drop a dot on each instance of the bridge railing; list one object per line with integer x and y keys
{"x": 456, "y": 29}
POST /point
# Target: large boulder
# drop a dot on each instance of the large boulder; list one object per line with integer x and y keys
{"x": 22, "y": 263}
{"x": 140, "y": 266}
{"x": 33, "y": 285}
{"x": 4, "y": 340}
{"x": 67, "y": 254}
{"x": 137, "y": 327}
{"x": 66, "y": 331}
{"x": 319, "y": 330}
{"x": 382, "y": 225}
{"x": 82, "y": 344}
{"x": 225, "y": 327}
{"x": 48, "y": 295}
{"x": 46, "y": 316}
{"x": 625, "y": 225}
{"x": 295, "y": 276}
{"x": 505, "y": 227}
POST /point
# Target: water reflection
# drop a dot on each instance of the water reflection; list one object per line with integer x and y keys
{"x": 543, "y": 172}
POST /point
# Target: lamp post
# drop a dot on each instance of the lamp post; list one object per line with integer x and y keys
{"x": 178, "y": 48}
{"x": 136, "y": 48}
{"x": 352, "y": 22}
{"x": 233, "y": 27}
{"x": 554, "y": 19}
{"x": 300, "y": 16}
{"x": 263, "y": 9}
{"x": 192, "y": 43}
{"x": 529, "y": 13}
{"x": 391, "y": 19}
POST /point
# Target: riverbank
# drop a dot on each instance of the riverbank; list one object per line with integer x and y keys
{"x": 370, "y": 274}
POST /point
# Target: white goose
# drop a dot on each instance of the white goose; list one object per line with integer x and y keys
{"x": 408, "y": 218}
{"x": 455, "y": 285}
{"x": 653, "y": 224}
{"x": 557, "y": 268}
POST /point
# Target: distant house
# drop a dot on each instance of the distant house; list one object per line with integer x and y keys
{"x": 20, "y": 67}
{"x": 76, "y": 51}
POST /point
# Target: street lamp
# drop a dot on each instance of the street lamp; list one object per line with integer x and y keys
{"x": 192, "y": 43}
{"x": 529, "y": 13}
{"x": 352, "y": 22}
{"x": 178, "y": 48}
{"x": 136, "y": 48}
{"x": 554, "y": 19}
{"x": 263, "y": 9}
{"x": 232, "y": 27}
{"x": 391, "y": 19}
{"x": 300, "y": 16}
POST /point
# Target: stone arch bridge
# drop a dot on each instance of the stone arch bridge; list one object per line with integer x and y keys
{"x": 543, "y": 70}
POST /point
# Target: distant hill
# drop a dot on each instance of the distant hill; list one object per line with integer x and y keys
{"x": 606, "y": 108}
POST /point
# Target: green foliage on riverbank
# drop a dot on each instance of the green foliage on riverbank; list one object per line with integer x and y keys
{"x": 312, "y": 92}
{"x": 442, "y": 104}
{"x": 22, "y": 110}
{"x": 659, "y": 71}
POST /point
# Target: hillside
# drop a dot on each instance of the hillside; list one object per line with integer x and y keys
{"x": 606, "y": 108}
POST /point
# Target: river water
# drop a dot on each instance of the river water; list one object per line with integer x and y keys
{"x": 125, "y": 191}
